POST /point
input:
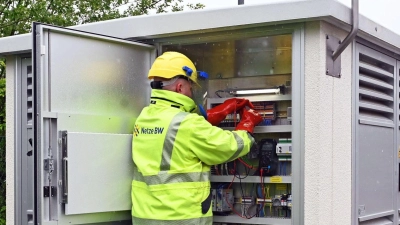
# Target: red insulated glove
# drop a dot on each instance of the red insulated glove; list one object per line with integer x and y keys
{"x": 248, "y": 120}
{"x": 218, "y": 113}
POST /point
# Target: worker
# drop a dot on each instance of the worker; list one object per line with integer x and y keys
{"x": 174, "y": 148}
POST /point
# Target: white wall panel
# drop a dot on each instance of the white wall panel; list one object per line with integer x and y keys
{"x": 327, "y": 166}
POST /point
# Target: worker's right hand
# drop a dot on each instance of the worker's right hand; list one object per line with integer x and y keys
{"x": 218, "y": 113}
{"x": 248, "y": 120}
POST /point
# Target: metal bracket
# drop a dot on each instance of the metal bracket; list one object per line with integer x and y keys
{"x": 333, "y": 68}
{"x": 64, "y": 163}
{"x": 49, "y": 164}
{"x": 361, "y": 210}
{"x": 46, "y": 191}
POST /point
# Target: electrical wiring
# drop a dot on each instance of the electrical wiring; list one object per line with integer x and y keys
{"x": 233, "y": 179}
{"x": 264, "y": 211}
{"x": 216, "y": 169}
{"x": 260, "y": 195}
{"x": 237, "y": 175}
{"x": 284, "y": 168}
{"x": 267, "y": 190}
{"x": 230, "y": 185}
{"x": 261, "y": 205}
{"x": 245, "y": 160}
{"x": 270, "y": 209}
{"x": 231, "y": 172}
{"x": 223, "y": 91}
{"x": 242, "y": 192}
{"x": 245, "y": 164}
{"x": 263, "y": 192}
{"x": 216, "y": 93}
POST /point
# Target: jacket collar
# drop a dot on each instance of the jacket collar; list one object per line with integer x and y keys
{"x": 172, "y": 99}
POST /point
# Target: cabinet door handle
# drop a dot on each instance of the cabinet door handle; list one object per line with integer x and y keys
{"x": 65, "y": 178}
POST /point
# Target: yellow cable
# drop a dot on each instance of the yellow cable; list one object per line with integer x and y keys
{"x": 266, "y": 190}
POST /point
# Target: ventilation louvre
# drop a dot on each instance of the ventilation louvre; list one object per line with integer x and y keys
{"x": 376, "y": 89}
{"x": 29, "y": 93}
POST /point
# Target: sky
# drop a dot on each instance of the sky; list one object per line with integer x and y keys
{"x": 384, "y": 12}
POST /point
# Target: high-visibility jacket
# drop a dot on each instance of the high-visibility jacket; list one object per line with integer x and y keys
{"x": 173, "y": 150}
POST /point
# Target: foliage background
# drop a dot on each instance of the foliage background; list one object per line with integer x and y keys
{"x": 16, "y": 17}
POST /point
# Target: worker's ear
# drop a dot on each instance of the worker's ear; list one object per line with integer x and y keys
{"x": 179, "y": 87}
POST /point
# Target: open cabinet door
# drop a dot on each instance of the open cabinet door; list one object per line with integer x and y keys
{"x": 88, "y": 91}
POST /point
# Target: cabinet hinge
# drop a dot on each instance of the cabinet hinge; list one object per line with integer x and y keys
{"x": 46, "y": 191}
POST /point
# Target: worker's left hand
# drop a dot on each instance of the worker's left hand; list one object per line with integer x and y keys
{"x": 248, "y": 120}
{"x": 218, "y": 113}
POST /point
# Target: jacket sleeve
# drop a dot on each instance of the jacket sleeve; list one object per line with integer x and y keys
{"x": 213, "y": 145}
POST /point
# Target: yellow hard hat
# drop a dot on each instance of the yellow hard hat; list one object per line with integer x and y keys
{"x": 172, "y": 64}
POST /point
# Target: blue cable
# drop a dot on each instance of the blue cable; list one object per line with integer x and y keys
{"x": 284, "y": 171}
{"x": 259, "y": 191}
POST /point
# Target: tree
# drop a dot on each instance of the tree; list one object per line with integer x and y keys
{"x": 16, "y": 17}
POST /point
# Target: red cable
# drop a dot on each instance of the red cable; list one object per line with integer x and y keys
{"x": 247, "y": 165}
{"x": 263, "y": 191}
{"x": 216, "y": 169}
{"x": 226, "y": 200}
{"x": 234, "y": 168}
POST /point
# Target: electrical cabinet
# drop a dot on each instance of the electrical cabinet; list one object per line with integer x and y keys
{"x": 259, "y": 69}
{"x": 261, "y": 180}
{"x": 81, "y": 93}
{"x": 327, "y": 152}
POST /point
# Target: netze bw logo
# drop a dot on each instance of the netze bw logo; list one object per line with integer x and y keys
{"x": 145, "y": 130}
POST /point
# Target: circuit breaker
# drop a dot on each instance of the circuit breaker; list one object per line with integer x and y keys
{"x": 222, "y": 200}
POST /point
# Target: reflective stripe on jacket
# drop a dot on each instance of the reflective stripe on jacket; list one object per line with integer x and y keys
{"x": 173, "y": 150}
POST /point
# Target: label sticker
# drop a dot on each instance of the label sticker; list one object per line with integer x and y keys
{"x": 276, "y": 179}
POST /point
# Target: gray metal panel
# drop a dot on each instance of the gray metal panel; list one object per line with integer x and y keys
{"x": 26, "y": 163}
{"x": 83, "y": 83}
{"x": 397, "y": 153}
{"x": 16, "y": 44}
{"x": 354, "y": 132}
{"x": 298, "y": 125}
{"x": 95, "y": 124}
{"x": 13, "y": 71}
{"x": 99, "y": 173}
{"x": 375, "y": 172}
{"x": 15, "y": 63}
{"x": 375, "y": 143}
{"x": 93, "y": 77}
